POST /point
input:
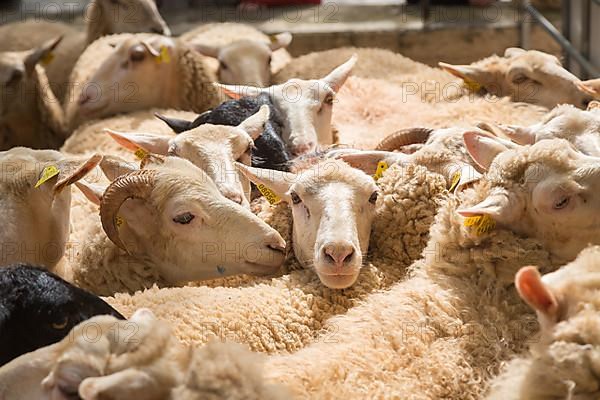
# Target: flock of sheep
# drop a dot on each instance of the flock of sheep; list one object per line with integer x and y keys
{"x": 378, "y": 227}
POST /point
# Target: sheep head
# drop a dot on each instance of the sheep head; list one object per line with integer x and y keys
{"x": 35, "y": 203}
{"x": 526, "y": 75}
{"x": 333, "y": 206}
{"x": 547, "y": 191}
{"x": 172, "y": 215}
{"x": 138, "y": 74}
{"x": 106, "y": 17}
{"x": 245, "y": 62}
{"x": 306, "y": 105}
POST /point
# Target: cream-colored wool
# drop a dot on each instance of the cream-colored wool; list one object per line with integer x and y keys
{"x": 368, "y": 109}
{"x": 438, "y": 334}
{"x": 288, "y": 312}
{"x": 192, "y": 91}
{"x": 221, "y": 34}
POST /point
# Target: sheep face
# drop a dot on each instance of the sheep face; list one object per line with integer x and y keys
{"x": 547, "y": 191}
{"x": 172, "y": 215}
{"x": 333, "y": 206}
{"x": 306, "y": 106}
{"x": 135, "y": 76}
{"x": 246, "y": 62}
{"x": 529, "y": 76}
{"x": 212, "y": 148}
{"x": 36, "y": 219}
{"x": 132, "y": 16}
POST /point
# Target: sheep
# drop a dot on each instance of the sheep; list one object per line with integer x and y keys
{"x": 242, "y": 54}
{"x": 107, "y": 358}
{"x": 581, "y": 128}
{"x": 525, "y": 75}
{"x": 30, "y": 115}
{"x": 190, "y": 231}
{"x": 39, "y": 308}
{"x": 103, "y": 17}
{"x": 284, "y": 314}
{"x": 36, "y": 200}
{"x": 269, "y": 150}
{"x": 562, "y": 363}
{"x": 141, "y": 72}
{"x": 306, "y": 106}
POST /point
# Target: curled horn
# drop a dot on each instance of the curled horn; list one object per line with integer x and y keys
{"x": 138, "y": 185}
{"x": 404, "y": 137}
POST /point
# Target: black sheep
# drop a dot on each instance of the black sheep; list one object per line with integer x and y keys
{"x": 269, "y": 152}
{"x": 37, "y": 308}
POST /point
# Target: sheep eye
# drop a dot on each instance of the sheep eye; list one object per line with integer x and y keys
{"x": 295, "y": 198}
{"x": 62, "y": 325}
{"x": 222, "y": 65}
{"x": 328, "y": 100}
{"x": 562, "y": 203}
{"x": 137, "y": 55}
{"x": 373, "y": 198}
{"x": 269, "y": 60}
{"x": 184, "y": 218}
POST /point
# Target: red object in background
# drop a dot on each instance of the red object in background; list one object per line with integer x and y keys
{"x": 280, "y": 2}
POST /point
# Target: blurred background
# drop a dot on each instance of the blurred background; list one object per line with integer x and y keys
{"x": 456, "y": 31}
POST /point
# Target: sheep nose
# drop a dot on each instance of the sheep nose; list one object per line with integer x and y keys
{"x": 84, "y": 98}
{"x": 339, "y": 253}
{"x": 303, "y": 148}
{"x": 234, "y": 196}
{"x": 275, "y": 242}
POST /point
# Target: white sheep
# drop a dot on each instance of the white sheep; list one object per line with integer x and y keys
{"x": 241, "y": 54}
{"x": 167, "y": 223}
{"x": 581, "y": 128}
{"x": 30, "y": 114}
{"x": 107, "y": 358}
{"x": 563, "y": 362}
{"x": 36, "y": 203}
{"x": 142, "y": 72}
{"x": 287, "y": 312}
{"x": 103, "y": 17}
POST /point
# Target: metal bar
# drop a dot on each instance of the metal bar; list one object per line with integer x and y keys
{"x": 565, "y": 44}
{"x": 525, "y": 25}
{"x": 566, "y": 27}
{"x": 425, "y": 10}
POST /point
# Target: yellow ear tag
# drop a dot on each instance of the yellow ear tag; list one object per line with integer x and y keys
{"x": 472, "y": 85}
{"x": 481, "y": 223}
{"x": 164, "y": 55}
{"x": 141, "y": 153}
{"x": 381, "y": 167}
{"x": 455, "y": 180}
{"x": 119, "y": 221}
{"x": 270, "y": 195}
{"x": 47, "y": 59}
{"x": 273, "y": 38}
{"x": 47, "y": 174}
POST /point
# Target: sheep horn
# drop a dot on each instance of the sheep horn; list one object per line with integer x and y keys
{"x": 137, "y": 184}
{"x": 404, "y": 137}
{"x": 176, "y": 124}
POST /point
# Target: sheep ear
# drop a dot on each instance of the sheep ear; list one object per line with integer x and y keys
{"x": 72, "y": 171}
{"x": 593, "y": 105}
{"x": 133, "y": 141}
{"x": 277, "y": 181}
{"x": 518, "y": 134}
{"x": 254, "y": 125}
{"x": 177, "y": 125}
{"x": 591, "y": 87}
{"x": 338, "y": 76}
{"x": 113, "y": 167}
{"x": 207, "y": 50}
{"x": 35, "y": 55}
{"x": 493, "y": 206}
{"x": 513, "y": 52}
{"x": 279, "y": 41}
{"x": 92, "y": 192}
{"x": 239, "y": 91}
{"x": 532, "y": 289}
{"x": 482, "y": 149}
{"x": 367, "y": 161}
{"x": 468, "y": 73}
